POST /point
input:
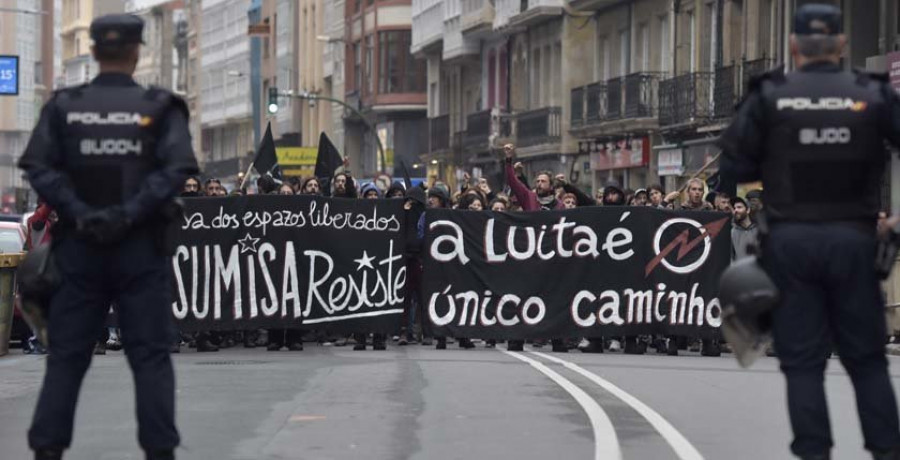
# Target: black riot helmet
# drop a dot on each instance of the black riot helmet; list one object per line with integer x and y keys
{"x": 748, "y": 298}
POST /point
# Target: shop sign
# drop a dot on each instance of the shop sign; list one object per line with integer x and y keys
{"x": 671, "y": 162}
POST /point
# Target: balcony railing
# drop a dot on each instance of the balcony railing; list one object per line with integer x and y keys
{"x": 596, "y": 102}
{"x": 685, "y": 98}
{"x": 641, "y": 94}
{"x": 478, "y": 129}
{"x": 613, "y": 100}
{"x": 750, "y": 69}
{"x": 577, "y": 106}
{"x": 439, "y": 133}
{"x": 541, "y": 126}
{"x": 724, "y": 92}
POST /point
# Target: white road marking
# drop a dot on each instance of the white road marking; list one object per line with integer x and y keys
{"x": 682, "y": 447}
{"x": 606, "y": 443}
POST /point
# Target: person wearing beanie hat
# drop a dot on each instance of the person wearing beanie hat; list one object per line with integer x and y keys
{"x": 641, "y": 197}
{"x": 613, "y": 195}
{"x": 370, "y": 192}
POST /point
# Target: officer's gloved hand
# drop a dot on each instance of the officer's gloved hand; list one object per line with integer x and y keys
{"x": 104, "y": 226}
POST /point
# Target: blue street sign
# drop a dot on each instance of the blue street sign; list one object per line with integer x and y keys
{"x": 9, "y": 75}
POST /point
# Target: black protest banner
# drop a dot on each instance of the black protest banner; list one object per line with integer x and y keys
{"x": 586, "y": 272}
{"x": 289, "y": 261}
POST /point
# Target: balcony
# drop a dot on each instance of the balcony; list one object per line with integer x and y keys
{"x": 596, "y": 102}
{"x": 641, "y": 94}
{"x": 533, "y": 12}
{"x": 477, "y": 16}
{"x": 427, "y": 25}
{"x": 504, "y": 10}
{"x": 481, "y": 126}
{"x": 592, "y": 5}
{"x": 685, "y": 99}
{"x": 455, "y": 45}
{"x": 724, "y": 94}
{"x": 439, "y": 133}
{"x": 541, "y": 126}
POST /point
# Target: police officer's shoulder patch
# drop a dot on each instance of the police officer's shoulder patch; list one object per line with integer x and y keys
{"x": 155, "y": 93}
{"x": 775, "y": 75}
{"x": 70, "y": 92}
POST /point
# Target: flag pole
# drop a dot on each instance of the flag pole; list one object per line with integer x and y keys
{"x": 246, "y": 176}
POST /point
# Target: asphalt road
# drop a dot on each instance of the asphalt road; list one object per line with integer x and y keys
{"x": 415, "y": 402}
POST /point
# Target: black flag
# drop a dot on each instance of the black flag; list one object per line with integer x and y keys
{"x": 266, "y": 160}
{"x": 328, "y": 159}
{"x": 406, "y": 180}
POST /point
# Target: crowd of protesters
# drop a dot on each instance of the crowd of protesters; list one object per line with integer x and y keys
{"x": 545, "y": 191}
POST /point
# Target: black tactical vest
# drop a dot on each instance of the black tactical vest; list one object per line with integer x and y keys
{"x": 824, "y": 156}
{"x": 109, "y": 139}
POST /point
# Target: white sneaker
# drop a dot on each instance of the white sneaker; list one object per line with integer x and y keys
{"x": 615, "y": 345}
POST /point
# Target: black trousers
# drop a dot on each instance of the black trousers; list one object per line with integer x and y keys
{"x": 830, "y": 297}
{"x": 134, "y": 275}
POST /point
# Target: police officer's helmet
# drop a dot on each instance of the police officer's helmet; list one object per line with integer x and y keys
{"x": 747, "y": 292}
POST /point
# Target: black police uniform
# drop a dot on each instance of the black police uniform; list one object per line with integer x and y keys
{"x": 815, "y": 138}
{"x": 109, "y": 156}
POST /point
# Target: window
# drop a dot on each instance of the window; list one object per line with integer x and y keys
{"x": 370, "y": 81}
{"x": 398, "y": 70}
{"x": 357, "y": 66}
{"x": 492, "y": 79}
{"x": 604, "y": 70}
{"x": 535, "y": 78}
{"x": 692, "y": 30}
{"x": 645, "y": 48}
{"x": 664, "y": 43}
{"x": 623, "y": 53}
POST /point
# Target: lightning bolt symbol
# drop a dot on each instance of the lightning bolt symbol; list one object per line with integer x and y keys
{"x": 684, "y": 245}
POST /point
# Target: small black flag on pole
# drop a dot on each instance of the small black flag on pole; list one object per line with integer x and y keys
{"x": 328, "y": 159}
{"x": 266, "y": 161}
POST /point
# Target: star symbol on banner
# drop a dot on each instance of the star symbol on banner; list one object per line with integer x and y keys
{"x": 364, "y": 261}
{"x": 248, "y": 244}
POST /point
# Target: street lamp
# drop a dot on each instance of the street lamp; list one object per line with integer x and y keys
{"x": 314, "y": 97}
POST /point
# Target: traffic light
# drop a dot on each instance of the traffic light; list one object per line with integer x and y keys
{"x": 273, "y": 100}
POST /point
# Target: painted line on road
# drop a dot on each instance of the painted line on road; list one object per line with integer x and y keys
{"x": 682, "y": 447}
{"x": 606, "y": 443}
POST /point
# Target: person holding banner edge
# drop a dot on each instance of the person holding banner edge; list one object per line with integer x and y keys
{"x": 815, "y": 137}
{"x": 107, "y": 242}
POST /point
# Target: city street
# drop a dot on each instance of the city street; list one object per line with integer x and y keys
{"x": 420, "y": 403}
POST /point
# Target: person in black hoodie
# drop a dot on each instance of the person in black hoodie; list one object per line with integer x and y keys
{"x": 415, "y": 209}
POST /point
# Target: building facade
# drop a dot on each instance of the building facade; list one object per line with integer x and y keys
{"x": 158, "y": 64}
{"x": 226, "y": 114}
{"x": 384, "y": 81}
{"x": 632, "y": 91}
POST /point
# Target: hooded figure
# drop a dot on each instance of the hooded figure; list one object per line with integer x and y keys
{"x": 370, "y": 191}
{"x": 396, "y": 190}
{"x": 613, "y": 195}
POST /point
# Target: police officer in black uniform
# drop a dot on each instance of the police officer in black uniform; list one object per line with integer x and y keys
{"x": 815, "y": 137}
{"x": 110, "y": 156}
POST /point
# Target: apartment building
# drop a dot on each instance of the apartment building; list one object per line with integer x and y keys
{"x": 158, "y": 64}
{"x": 194, "y": 74}
{"x": 635, "y": 91}
{"x": 385, "y": 82}
{"x": 226, "y": 108}
{"x": 333, "y": 57}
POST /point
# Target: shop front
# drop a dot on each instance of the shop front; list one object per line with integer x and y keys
{"x": 625, "y": 161}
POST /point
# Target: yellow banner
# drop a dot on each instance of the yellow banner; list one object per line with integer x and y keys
{"x": 296, "y": 156}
